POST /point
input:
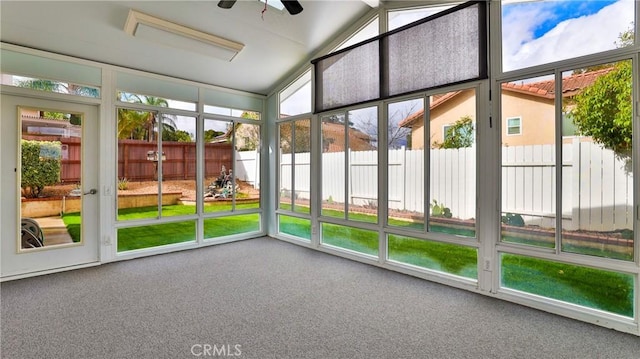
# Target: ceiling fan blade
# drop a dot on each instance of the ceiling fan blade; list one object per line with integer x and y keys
{"x": 292, "y": 6}
{"x": 226, "y": 4}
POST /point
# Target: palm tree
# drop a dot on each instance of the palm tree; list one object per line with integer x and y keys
{"x": 143, "y": 124}
{"x": 54, "y": 86}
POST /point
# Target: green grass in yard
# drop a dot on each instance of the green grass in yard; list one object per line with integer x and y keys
{"x": 298, "y": 227}
{"x": 448, "y": 258}
{"x": 355, "y": 239}
{"x": 595, "y": 288}
{"x": 604, "y": 290}
{"x": 352, "y": 216}
{"x": 226, "y": 226}
{"x": 599, "y": 252}
{"x": 170, "y": 233}
{"x": 549, "y": 242}
{"x": 226, "y": 206}
{"x": 297, "y": 208}
{"x": 530, "y": 240}
{"x": 72, "y": 222}
{"x": 155, "y": 235}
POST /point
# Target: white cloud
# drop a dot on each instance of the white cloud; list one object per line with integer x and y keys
{"x": 570, "y": 38}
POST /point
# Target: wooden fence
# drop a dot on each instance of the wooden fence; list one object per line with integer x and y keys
{"x": 179, "y": 163}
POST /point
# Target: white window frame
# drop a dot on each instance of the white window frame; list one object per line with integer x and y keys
{"x": 507, "y": 127}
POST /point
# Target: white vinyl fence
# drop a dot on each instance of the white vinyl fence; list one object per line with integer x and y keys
{"x": 247, "y": 167}
{"x": 597, "y": 191}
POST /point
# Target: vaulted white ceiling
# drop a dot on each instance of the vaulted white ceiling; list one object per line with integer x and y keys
{"x": 275, "y": 42}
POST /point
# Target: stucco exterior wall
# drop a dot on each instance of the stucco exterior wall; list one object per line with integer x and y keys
{"x": 536, "y": 113}
{"x": 537, "y": 119}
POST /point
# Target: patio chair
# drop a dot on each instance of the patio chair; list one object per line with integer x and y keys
{"x": 32, "y": 235}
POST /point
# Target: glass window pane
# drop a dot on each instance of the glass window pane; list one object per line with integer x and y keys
{"x": 448, "y": 258}
{"x": 230, "y": 225}
{"x": 231, "y": 112}
{"x": 593, "y": 288}
{"x": 529, "y": 163}
{"x": 334, "y": 132}
{"x": 155, "y": 101}
{"x": 218, "y": 155}
{"x": 156, "y": 235}
{"x": 49, "y": 85}
{"x": 362, "y": 136}
{"x": 597, "y": 179}
{"x": 399, "y": 18}
{"x": 302, "y": 168}
{"x": 295, "y": 99}
{"x": 50, "y": 167}
{"x": 406, "y": 164}
{"x": 178, "y": 165}
{"x": 294, "y": 226}
{"x": 137, "y": 165}
{"x": 295, "y": 168}
{"x": 285, "y": 189}
{"x": 355, "y": 239}
{"x": 367, "y": 32}
{"x": 246, "y": 172}
{"x": 540, "y": 32}
{"x": 513, "y": 126}
{"x": 452, "y": 157}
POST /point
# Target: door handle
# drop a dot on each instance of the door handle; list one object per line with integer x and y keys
{"x": 92, "y": 191}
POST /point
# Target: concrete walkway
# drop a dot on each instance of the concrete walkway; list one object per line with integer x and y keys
{"x": 55, "y": 232}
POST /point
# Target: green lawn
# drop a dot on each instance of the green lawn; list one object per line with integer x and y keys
{"x": 297, "y": 227}
{"x": 448, "y": 258}
{"x": 72, "y": 222}
{"x": 604, "y": 290}
{"x": 170, "y": 233}
{"x": 585, "y": 286}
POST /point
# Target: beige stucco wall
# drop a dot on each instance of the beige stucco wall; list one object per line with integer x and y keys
{"x": 538, "y": 117}
{"x": 463, "y": 104}
{"x": 536, "y": 113}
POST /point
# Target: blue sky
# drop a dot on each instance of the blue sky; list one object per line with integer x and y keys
{"x": 536, "y": 32}
{"x": 557, "y": 11}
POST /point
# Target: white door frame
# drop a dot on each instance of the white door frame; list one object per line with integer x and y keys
{"x": 15, "y": 263}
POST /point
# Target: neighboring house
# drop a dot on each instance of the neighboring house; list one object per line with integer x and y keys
{"x": 247, "y": 136}
{"x": 528, "y": 111}
{"x": 333, "y": 139}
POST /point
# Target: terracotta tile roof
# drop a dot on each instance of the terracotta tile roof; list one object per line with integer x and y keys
{"x": 571, "y": 85}
{"x": 436, "y": 100}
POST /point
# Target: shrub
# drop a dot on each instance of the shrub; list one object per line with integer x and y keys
{"x": 123, "y": 183}
{"x": 512, "y": 219}
{"x": 40, "y": 166}
{"x": 439, "y": 210}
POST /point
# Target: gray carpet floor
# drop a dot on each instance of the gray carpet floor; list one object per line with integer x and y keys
{"x": 264, "y": 298}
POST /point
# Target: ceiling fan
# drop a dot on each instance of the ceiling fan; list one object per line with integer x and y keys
{"x": 292, "y": 6}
